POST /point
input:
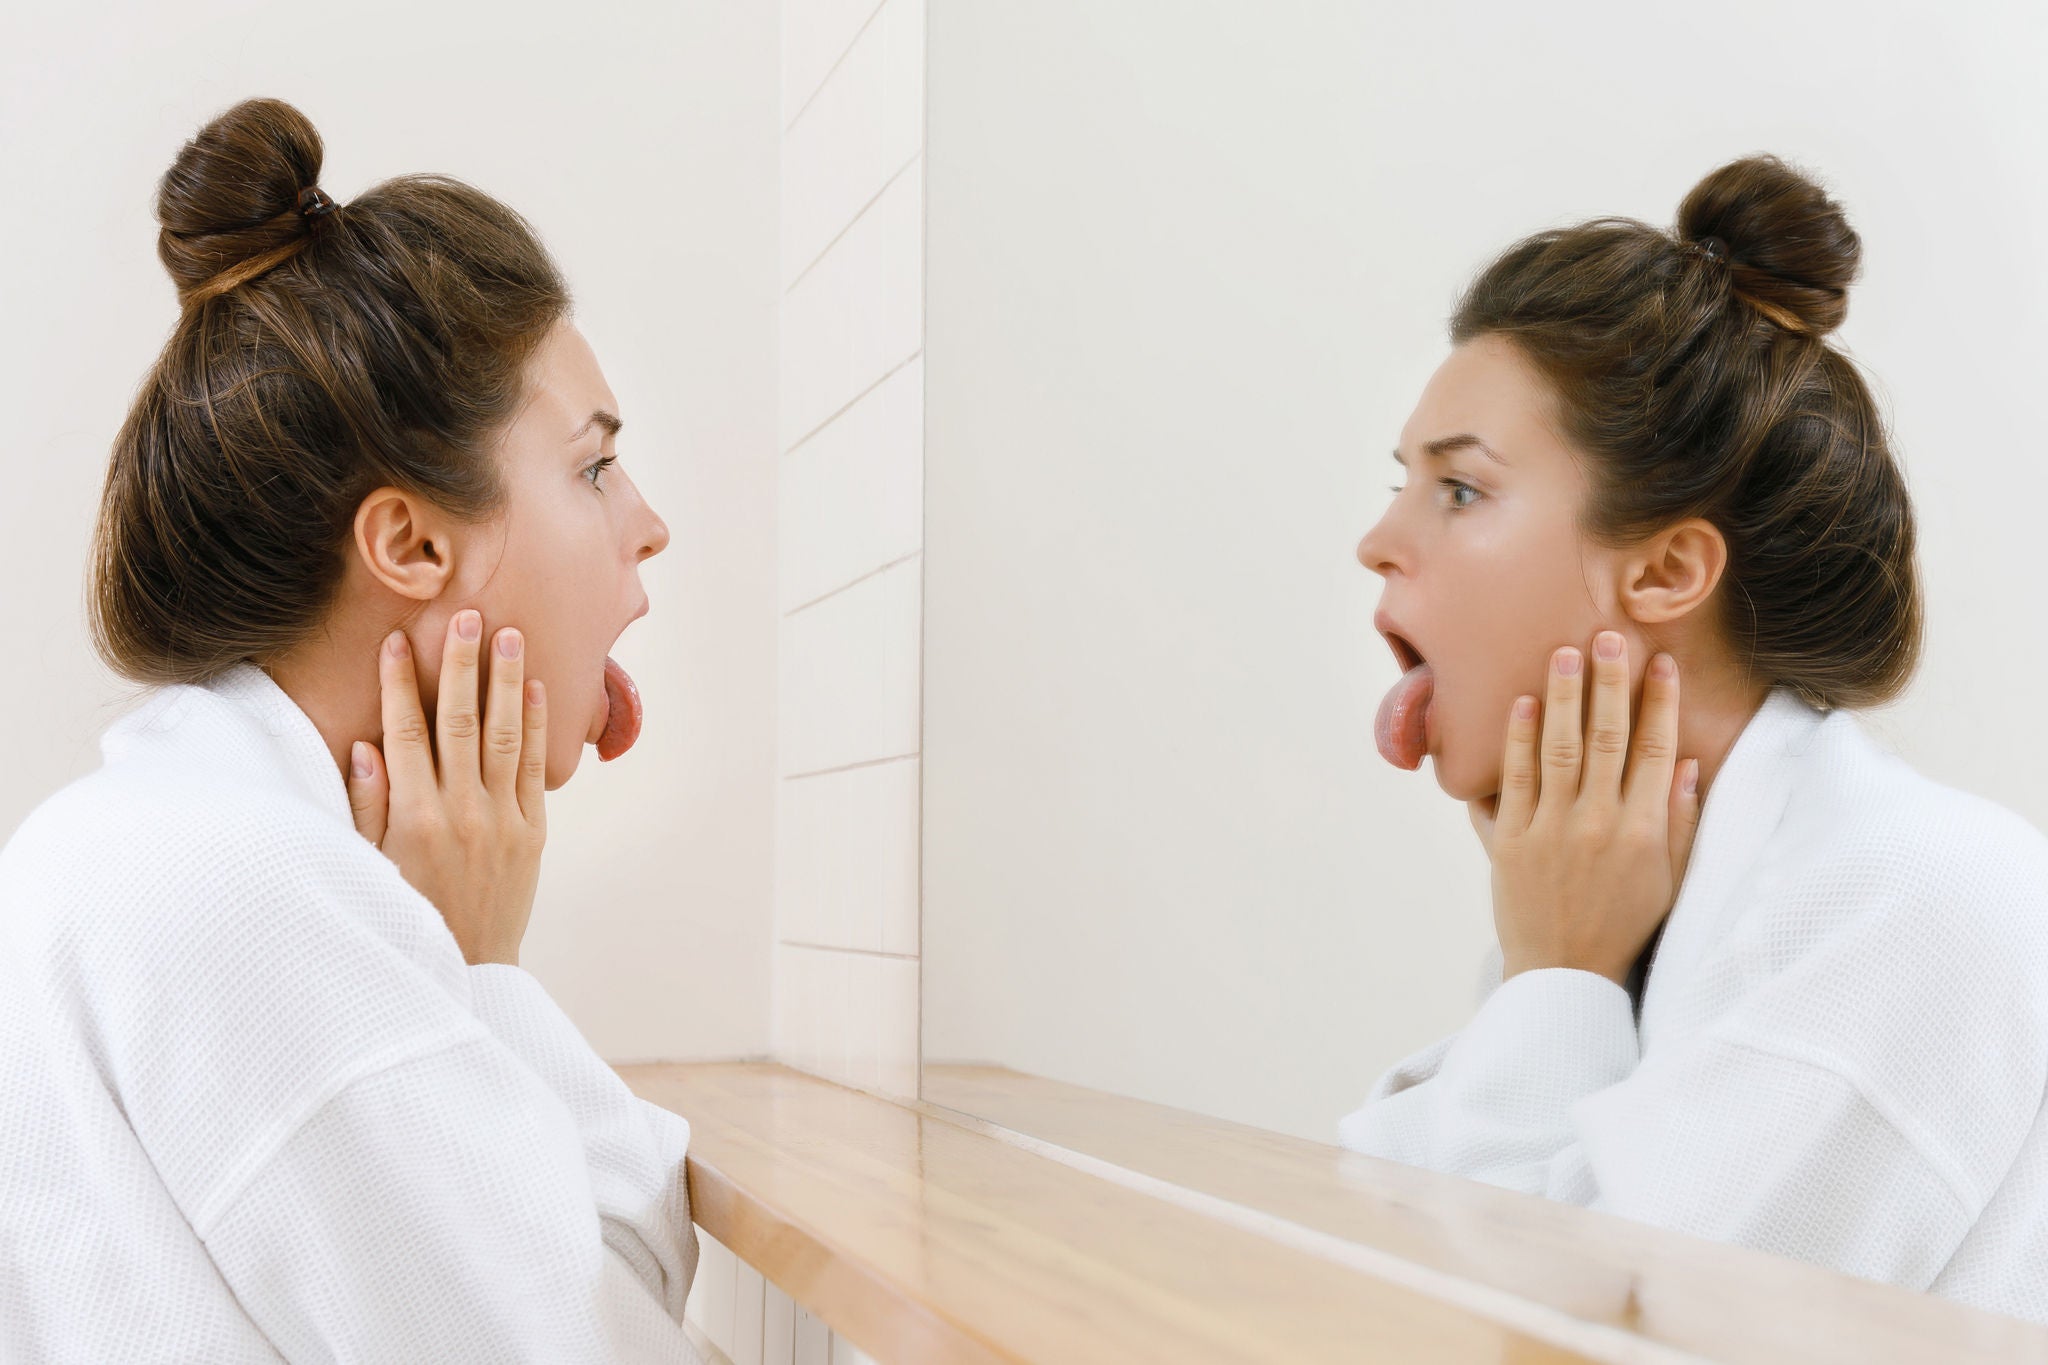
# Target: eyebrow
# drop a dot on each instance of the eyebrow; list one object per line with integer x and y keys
{"x": 608, "y": 420}
{"x": 1444, "y": 445}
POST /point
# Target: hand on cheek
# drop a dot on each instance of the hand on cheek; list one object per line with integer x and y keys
{"x": 1590, "y": 834}
{"x": 460, "y": 807}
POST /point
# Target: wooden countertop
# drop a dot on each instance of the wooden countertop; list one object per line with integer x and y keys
{"x": 1661, "y": 1286}
{"x": 921, "y": 1235}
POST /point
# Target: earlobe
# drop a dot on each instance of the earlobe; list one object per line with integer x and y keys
{"x": 404, "y": 543}
{"x": 1675, "y": 573}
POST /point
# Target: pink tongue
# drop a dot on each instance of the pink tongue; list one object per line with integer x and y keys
{"x": 622, "y": 724}
{"x": 1403, "y": 726}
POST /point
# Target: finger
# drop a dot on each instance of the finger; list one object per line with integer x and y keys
{"x": 1685, "y": 817}
{"x": 1520, "y": 784}
{"x": 1561, "y": 748}
{"x": 504, "y": 718}
{"x": 533, "y": 756}
{"x": 1653, "y": 762}
{"x": 408, "y": 754}
{"x": 1484, "y": 814}
{"x": 369, "y": 792}
{"x": 1607, "y": 726}
{"x": 455, "y": 714}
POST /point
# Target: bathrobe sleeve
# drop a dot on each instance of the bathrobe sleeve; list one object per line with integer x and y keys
{"x": 387, "y": 1155}
{"x": 446, "y": 1207}
{"x": 1855, "y": 1105}
{"x": 634, "y": 1150}
{"x": 1495, "y": 1102}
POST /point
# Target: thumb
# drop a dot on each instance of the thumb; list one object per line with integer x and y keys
{"x": 369, "y": 791}
{"x": 1685, "y": 816}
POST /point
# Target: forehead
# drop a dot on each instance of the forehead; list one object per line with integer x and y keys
{"x": 566, "y": 383}
{"x": 1486, "y": 389}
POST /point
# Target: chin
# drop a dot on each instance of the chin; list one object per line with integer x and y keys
{"x": 562, "y": 768}
{"x": 1460, "y": 782}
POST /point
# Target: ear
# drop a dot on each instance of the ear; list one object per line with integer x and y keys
{"x": 407, "y": 544}
{"x": 1670, "y": 575}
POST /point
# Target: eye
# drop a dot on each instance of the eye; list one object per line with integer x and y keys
{"x": 1459, "y": 494}
{"x": 595, "y": 471}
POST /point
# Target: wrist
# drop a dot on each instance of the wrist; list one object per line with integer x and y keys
{"x": 1512, "y": 966}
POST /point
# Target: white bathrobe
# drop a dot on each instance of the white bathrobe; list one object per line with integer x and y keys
{"x": 1842, "y": 1054}
{"x": 254, "y": 1105}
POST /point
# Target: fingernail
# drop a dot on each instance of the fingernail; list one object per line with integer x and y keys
{"x": 1607, "y": 645}
{"x": 1692, "y": 777}
{"x": 1525, "y": 708}
{"x": 535, "y": 693}
{"x": 1567, "y": 663}
{"x": 1662, "y": 668}
{"x": 396, "y": 643}
{"x": 359, "y": 761}
{"x": 469, "y": 624}
{"x": 508, "y": 643}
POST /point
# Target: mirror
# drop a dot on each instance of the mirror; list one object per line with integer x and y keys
{"x": 1188, "y": 270}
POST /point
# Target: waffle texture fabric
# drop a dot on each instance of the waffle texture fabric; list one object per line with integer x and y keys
{"x": 1842, "y": 1048}
{"x": 254, "y": 1106}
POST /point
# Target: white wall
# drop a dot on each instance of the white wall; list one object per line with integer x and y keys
{"x": 1188, "y": 268}
{"x": 641, "y": 141}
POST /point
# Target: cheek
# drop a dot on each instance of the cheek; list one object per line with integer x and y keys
{"x": 1472, "y": 730}
{"x": 562, "y": 653}
{"x": 561, "y": 593}
{"x": 1519, "y": 608}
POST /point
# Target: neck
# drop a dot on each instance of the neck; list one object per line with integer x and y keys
{"x": 1716, "y": 703}
{"x": 338, "y": 691}
{"x": 332, "y": 676}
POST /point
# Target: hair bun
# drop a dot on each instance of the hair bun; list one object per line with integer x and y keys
{"x": 1790, "y": 249}
{"x": 233, "y": 192}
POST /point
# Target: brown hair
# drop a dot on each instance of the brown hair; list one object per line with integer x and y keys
{"x": 1692, "y": 369}
{"x": 316, "y": 358}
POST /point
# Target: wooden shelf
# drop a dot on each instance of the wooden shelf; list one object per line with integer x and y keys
{"x": 921, "y": 1235}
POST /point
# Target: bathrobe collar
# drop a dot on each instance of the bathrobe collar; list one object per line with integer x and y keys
{"x": 240, "y": 727}
{"x": 301, "y": 749}
{"x": 1745, "y": 806}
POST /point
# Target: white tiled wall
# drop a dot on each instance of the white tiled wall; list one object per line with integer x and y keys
{"x": 849, "y": 667}
{"x": 849, "y": 532}
{"x": 856, "y": 314}
{"x": 852, "y": 497}
{"x": 849, "y": 537}
{"x": 849, "y": 540}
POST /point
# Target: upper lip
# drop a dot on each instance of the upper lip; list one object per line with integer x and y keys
{"x": 1401, "y": 642}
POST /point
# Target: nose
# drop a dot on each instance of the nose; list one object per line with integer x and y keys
{"x": 648, "y": 533}
{"x": 653, "y": 538}
{"x": 1377, "y": 550}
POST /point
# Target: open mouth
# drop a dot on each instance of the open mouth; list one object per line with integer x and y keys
{"x": 1402, "y": 727}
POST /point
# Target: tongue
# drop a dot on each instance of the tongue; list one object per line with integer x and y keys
{"x": 622, "y": 723}
{"x": 1403, "y": 726}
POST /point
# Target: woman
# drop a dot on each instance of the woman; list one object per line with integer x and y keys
{"x": 270, "y": 1092}
{"x": 1835, "y": 1045}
